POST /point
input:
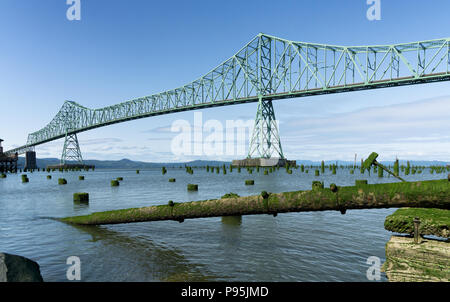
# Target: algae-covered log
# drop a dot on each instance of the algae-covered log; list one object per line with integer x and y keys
{"x": 432, "y": 221}
{"x": 424, "y": 194}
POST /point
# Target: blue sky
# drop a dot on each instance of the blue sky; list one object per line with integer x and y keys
{"x": 122, "y": 49}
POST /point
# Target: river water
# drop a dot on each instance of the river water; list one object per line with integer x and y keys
{"x": 313, "y": 246}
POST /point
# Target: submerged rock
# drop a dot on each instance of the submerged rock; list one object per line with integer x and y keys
{"x": 15, "y": 268}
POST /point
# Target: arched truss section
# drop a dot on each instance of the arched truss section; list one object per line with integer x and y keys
{"x": 269, "y": 68}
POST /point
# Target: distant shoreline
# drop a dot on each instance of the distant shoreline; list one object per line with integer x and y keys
{"x": 130, "y": 164}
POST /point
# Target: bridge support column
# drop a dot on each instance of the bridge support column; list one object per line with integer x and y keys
{"x": 265, "y": 141}
{"x": 30, "y": 160}
{"x": 71, "y": 150}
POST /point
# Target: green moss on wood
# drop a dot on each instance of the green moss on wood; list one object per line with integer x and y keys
{"x": 192, "y": 187}
{"x": 81, "y": 197}
{"x": 232, "y": 220}
{"x": 230, "y": 195}
{"x": 360, "y": 182}
{"x": 422, "y": 194}
{"x": 317, "y": 185}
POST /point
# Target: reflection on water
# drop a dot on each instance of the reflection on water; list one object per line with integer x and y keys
{"x": 316, "y": 246}
{"x": 159, "y": 262}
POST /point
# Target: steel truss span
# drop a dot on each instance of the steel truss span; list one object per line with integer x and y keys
{"x": 269, "y": 68}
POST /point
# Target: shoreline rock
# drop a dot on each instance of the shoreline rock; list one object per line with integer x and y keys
{"x": 15, "y": 268}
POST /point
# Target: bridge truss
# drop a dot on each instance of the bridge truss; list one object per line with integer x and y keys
{"x": 266, "y": 69}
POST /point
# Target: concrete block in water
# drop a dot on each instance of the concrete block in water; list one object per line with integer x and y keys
{"x": 81, "y": 197}
{"x": 192, "y": 187}
{"x": 232, "y": 220}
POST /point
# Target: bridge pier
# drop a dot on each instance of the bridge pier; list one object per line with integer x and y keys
{"x": 71, "y": 150}
{"x": 265, "y": 145}
{"x": 30, "y": 160}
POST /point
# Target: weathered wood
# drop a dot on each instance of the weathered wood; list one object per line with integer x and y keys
{"x": 422, "y": 194}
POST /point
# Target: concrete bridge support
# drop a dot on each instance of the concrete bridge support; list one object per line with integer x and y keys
{"x": 30, "y": 160}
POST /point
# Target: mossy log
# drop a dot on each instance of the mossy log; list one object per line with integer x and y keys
{"x": 423, "y": 194}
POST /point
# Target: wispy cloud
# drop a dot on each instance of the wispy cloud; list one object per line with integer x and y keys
{"x": 416, "y": 129}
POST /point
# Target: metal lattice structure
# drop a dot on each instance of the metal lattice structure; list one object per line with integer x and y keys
{"x": 265, "y": 141}
{"x": 71, "y": 150}
{"x": 269, "y": 68}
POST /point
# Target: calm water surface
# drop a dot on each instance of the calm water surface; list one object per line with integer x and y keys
{"x": 316, "y": 246}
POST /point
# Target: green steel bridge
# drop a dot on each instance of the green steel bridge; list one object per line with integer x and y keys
{"x": 265, "y": 69}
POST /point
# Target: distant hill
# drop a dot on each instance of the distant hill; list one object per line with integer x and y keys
{"x": 121, "y": 164}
